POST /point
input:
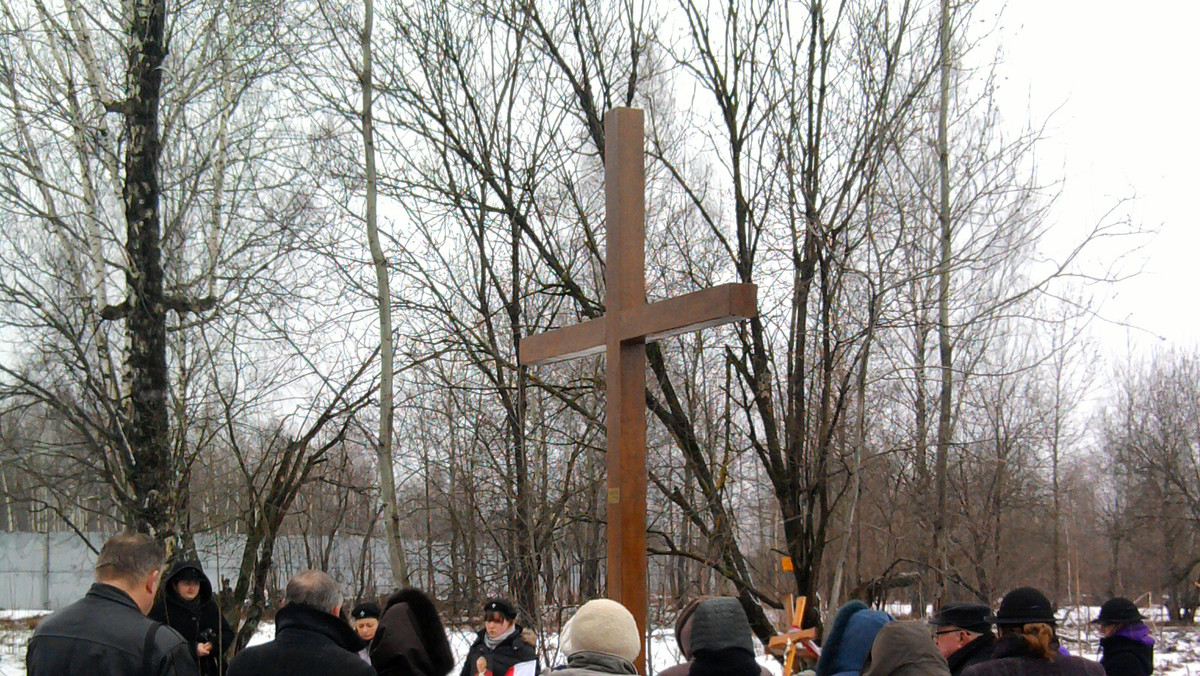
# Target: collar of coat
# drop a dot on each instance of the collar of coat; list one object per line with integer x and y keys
{"x": 300, "y": 618}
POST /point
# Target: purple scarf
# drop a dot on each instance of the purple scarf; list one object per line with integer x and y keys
{"x": 1138, "y": 633}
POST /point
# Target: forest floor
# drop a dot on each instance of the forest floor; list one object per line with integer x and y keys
{"x": 1176, "y": 653}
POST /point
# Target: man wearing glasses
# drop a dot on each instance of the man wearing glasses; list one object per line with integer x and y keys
{"x": 963, "y": 634}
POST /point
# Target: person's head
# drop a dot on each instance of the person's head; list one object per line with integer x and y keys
{"x": 1117, "y": 612}
{"x": 602, "y": 626}
{"x": 720, "y": 624}
{"x": 188, "y": 583}
{"x": 131, "y": 562}
{"x": 315, "y": 589}
{"x": 499, "y": 616}
{"x": 365, "y": 617}
{"x": 957, "y": 624}
{"x": 904, "y": 648}
{"x": 1026, "y": 612}
{"x": 848, "y": 640}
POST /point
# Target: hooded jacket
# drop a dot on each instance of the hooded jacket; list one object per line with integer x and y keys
{"x": 194, "y": 619}
{"x": 849, "y": 639}
{"x": 106, "y": 633}
{"x": 308, "y": 642}
{"x": 1128, "y": 652}
{"x": 411, "y": 639}
{"x": 904, "y": 649}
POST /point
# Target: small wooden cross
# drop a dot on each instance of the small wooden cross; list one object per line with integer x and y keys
{"x": 622, "y": 333}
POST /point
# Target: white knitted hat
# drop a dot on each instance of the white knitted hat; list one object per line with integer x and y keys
{"x": 602, "y": 626}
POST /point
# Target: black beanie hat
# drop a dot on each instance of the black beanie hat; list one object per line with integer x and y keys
{"x": 1025, "y": 605}
{"x": 364, "y": 610}
{"x": 970, "y": 616}
{"x": 1118, "y": 610}
{"x": 502, "y": 606}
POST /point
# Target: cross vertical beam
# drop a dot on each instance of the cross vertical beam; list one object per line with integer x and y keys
{"x": 622, "y": 333}
{"x": 625, "y": 373}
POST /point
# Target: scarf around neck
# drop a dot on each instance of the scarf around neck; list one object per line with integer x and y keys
{"x": 491, "y": 643}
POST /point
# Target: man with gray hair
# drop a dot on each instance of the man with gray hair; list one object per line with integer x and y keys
{"x": 310, "y": 636}
{"x": 107, "y": 632}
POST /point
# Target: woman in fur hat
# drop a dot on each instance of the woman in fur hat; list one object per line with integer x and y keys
{"x": 600, "y": 638}
{"x": 410, "y": 639}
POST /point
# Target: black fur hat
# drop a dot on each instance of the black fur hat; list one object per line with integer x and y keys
{"x": 1118, "y": 610}
{"x": 411, "y": 638}
{"x": 1025, "y": 605}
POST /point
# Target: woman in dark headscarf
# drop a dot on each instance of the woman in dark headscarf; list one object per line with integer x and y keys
{"x": 185, "y": 603}
{"x": 410, "y": 639}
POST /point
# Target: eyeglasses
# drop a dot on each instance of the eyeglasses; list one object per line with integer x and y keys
{"x": 945, "y": 631}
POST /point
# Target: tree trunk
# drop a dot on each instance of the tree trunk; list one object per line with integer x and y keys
{"x": 152, "y": 471}
{"x": 387, "y": 476}
{"x": 940, "y": 536}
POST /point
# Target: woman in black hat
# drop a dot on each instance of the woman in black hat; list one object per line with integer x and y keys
{"x": 1126, "y": 646}
{"x": 1028, "y": 645}
{"x": 365, "y": 619}
{"x": 501, "y": 645}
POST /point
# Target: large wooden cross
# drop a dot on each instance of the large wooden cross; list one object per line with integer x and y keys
{"x": 622, "y": 333}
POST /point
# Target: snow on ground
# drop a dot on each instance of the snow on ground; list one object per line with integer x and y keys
{"x": 1177, "y": 652}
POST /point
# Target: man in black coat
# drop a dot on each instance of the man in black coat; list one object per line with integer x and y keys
{"x": 107, "y": 632}
{"x": 501, "y": 645}
{"x": 963, "y": 634}
{"x": 186, "y": 604}
{"x": 311, "y": 639}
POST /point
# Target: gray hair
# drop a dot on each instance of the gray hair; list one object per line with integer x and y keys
{"x": 313, "y": 588}
{"x": 129, "y": 557}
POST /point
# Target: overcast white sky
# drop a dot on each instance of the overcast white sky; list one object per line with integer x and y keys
{"x": 1118, "y": 82}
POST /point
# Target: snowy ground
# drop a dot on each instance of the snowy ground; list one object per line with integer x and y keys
{"x": 1177, "y": 652}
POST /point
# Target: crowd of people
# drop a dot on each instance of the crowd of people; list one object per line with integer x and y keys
{"x": 128, "y": 624}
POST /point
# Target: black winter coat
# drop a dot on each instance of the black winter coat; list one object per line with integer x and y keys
{"x": 106, "y": 634}
{"x": 512, "y": 651}
{"x": 1125, "y": 657}
{"x": 308, "y": 642}
{"x": 1012, "y": 658}
{"x": 194, "y": 618}
{"x": 977, "y": 651}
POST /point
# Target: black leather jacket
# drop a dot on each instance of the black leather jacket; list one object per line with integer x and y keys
{"x": 105, "y": 633}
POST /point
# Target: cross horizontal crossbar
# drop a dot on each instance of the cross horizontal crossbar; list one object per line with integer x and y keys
{"x": 649, "y": 322}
